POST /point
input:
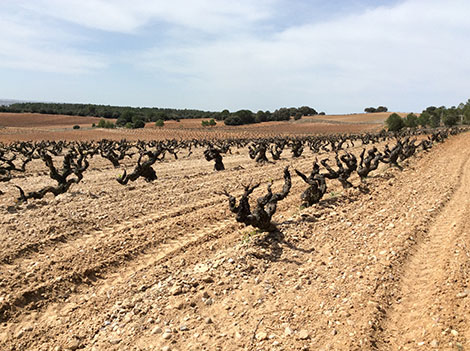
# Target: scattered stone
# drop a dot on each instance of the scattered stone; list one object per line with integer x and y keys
{"x": 184, "y": 328}
{"x": 434, "y": 343}
{"x": 209, "y": 301}
{"x": 115, "y": 341}
{"x": 166, "y": 335}
{"x": 72, "y": 345}
{"x": 261, "y": 336}
{"x": 303, "y": 335}
{"x": 454, "y": 332}
{"x": 176, "y": 290}
{"x": 288, "y": 331}
{"x": 208, "y": 320}
{"x": 166, "y": 348}
{"x": 156, "y": 330}
{"x": 462, "y": 295}
{"x": 208, "y": 279}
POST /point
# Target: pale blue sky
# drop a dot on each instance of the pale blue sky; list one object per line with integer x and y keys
{"x": 336, "y": 56}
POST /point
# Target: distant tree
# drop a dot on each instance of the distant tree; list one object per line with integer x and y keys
{"x": 298, "y": 116}
{"x": 451, "y": 117}
{"x": 246, "y": 116}
{"x": 261, "y": 117}
{"x": 162, "y": 115}
{"x": 212, "y": 122}
{"x": 223, "y": 115}
{"x": 159, "y": 123}
{"x": 138, "y": 123}
{"x": 233, "y": 121}
{"x": 126, "y": 117}
{"x": 102, "y": 123}
{"x": 382, "y": 109}
{"x": 307, "y": 111}
{"x": 378, "y": 109}
{"x": 370, "y": 110}
{"x": 411, "y": 120}
{"x": 394, "y": 122}
{"x": 282, "y": 114}
{"x": 424, "y": 119}
{"x": 322, "y": 113}
{"x": 435, "y": 120}
{"x": 466, "y": 113}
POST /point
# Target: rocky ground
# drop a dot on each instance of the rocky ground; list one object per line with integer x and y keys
{"x": 164, "y": 266}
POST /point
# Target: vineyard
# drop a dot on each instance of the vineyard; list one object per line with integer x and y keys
{"x": 289, "y": 242}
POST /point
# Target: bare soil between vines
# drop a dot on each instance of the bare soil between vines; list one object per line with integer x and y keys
{"x": 164, "y": 264}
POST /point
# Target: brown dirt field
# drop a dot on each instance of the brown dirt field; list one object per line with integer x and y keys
{"x": 361, "y": 118}
{"x": 36, "y": 120}
{"x": 37, "y": 127}
{"x": 164, "y": 264}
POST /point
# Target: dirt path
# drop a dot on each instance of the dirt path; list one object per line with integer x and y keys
{"x": 425, "y": 311}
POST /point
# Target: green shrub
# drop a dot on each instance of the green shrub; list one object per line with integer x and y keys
{"x": 139, "y": 124}
{"x": 411, "y": 120}
{"x": 451, "y": 117}
{"x": 394, "y": 122}
{"x": 160, "y": 123}
{"x": 104, "y": 124}
{"x": 109, "y": 125}
{"x": 76, "y": 126}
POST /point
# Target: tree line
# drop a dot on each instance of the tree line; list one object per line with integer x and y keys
{"x": 136, "y": 117}
{"x": 432, "y": 117}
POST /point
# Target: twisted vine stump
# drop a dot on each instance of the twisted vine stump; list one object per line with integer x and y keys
{"x": 317, "y": 186}
{"x": 265, "y": 206}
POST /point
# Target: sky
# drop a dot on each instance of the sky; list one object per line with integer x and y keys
{"x": 336, "y": 56}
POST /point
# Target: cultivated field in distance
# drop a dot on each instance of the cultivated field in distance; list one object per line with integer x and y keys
{"x": 120, "y": 263}
{"x": 56, "y": 127}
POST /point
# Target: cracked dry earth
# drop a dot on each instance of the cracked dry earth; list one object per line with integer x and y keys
{"x": 164, "y": 266}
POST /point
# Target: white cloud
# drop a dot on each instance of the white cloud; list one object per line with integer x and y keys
{"x": 213, "y": 54}
{"x": 381, "y": 56}
{"x": 129, "y": 16}
{"x": 33, "y": 45}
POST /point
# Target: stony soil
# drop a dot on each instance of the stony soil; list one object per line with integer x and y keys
{"x": 164, "y": 265}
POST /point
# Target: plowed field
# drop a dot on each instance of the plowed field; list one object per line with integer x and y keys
{"x": 36, "y": 127}
{"x": 164, "y": 265}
